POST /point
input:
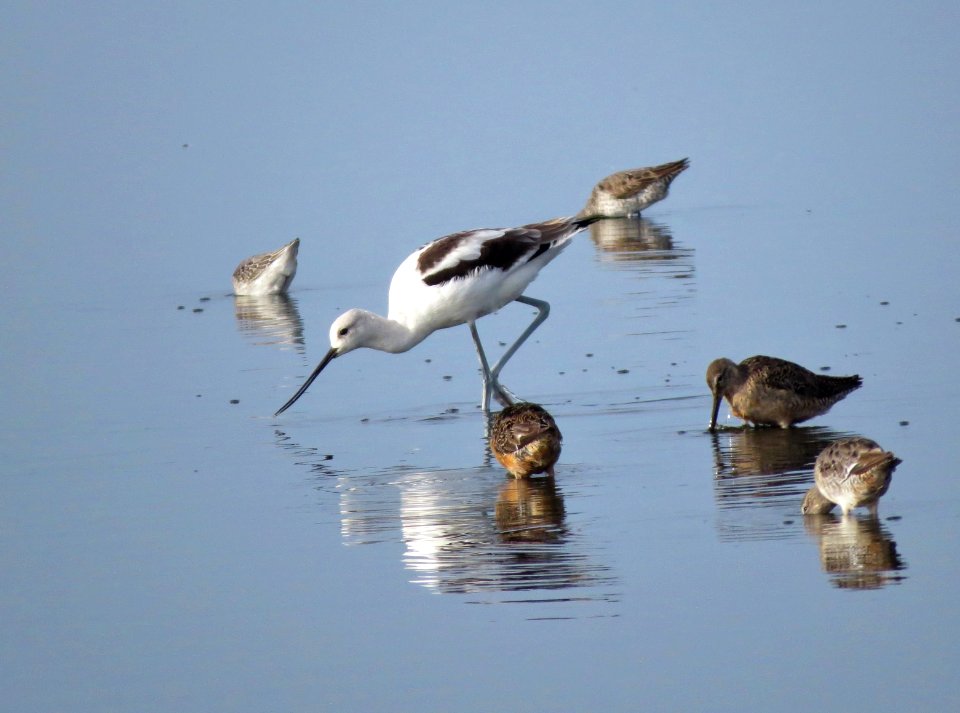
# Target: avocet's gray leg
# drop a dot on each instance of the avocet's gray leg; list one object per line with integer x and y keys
{"x": 490, "y": 383}
{"x": 543, "y": 312}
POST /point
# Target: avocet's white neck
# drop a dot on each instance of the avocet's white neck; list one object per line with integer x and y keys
{"x": 358, "y": 328}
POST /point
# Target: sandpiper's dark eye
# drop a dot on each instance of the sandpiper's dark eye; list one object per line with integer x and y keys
{"x": 343, "y": 331}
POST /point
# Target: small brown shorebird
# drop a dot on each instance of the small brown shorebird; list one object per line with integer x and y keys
{"x": 525, "y": 439}
{"x": 267, "y": 274}
{"x": 629, "y": 192}
{"x": 854, "y": 471}
{"x": 765, "y": 390}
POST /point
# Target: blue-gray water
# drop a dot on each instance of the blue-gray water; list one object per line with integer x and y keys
{"x": 166, "y": 549}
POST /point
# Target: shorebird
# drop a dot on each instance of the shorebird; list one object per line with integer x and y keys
{"x": 765, "y": 390}
{"x": 525, "y": 440}
{"x": 854, "y": 471}
{"x": 456, "y": 279}
{"x": 269, "y": 273}
{"x": 629, "y": 192}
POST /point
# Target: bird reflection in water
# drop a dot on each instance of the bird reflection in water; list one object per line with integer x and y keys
{"x": 763, "y": 471}
{"x": 529, "y": 510}
{"x": 466, "y": 532}
{"x": 856, "y": 552}
{"x": 632, "y": 239}
{"x": 761, "y": 462}
{"x": 270, "y": 320}
{"x": 646, "y": 249}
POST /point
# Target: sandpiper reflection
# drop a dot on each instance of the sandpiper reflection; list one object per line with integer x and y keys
{"x": 856, "y": 552}
{"x": 760, "y": 475}
{"x": 270, "y": 320}
{"x": 633, "y": 239}
{"x": 769, "y": 451}
{"x": 463, "y": 530}
{"x": 530, "y": 510}
{"x": 467, "y": 532}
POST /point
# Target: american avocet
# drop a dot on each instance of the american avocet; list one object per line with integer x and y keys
{"x": 269, "y": 273}
{"x": 525, "y": 440}
{"x": 854, "y": 471}
{"x": 455, "y": 280}
{"x": 770, "y": 391}
{"x": 629, "y": 192}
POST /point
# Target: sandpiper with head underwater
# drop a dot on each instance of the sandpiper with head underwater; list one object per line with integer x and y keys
{"x": 626, "y": 193}
{"x": 525, "y": 439}
{"x": 854, "y": 472}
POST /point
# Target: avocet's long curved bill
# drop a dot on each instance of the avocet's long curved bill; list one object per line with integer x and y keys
{"x": 306, "y": 384}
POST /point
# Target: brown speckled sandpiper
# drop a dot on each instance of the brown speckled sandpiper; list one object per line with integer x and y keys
{"x": 629, "y": 192}
{"x": 766, "y": 390}
{"x": 854, "y": 471}
{"x": 525, "y": 439}
{"x": 267, "y": 274}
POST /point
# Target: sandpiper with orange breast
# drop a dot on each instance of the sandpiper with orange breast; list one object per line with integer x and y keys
{"x": 766, "y": 390}
{"x": 629, "y": 192}
{"x": 525, "y": 439}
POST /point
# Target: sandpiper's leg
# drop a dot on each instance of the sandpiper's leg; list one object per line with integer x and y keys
{"x": 543, "y": 312}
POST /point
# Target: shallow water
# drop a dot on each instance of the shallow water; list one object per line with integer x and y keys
{"x": 168, "y": 544}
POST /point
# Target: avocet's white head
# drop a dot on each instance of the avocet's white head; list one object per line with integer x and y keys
{"x": 358, "y": 328}
{"x": 354, "y": 329}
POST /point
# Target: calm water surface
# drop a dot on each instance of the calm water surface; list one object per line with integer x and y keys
{"x": 167, "y": 544}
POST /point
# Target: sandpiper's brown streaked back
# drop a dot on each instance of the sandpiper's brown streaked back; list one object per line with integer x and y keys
{"x": 629, "y": 192}
{"x": 766, "y": 390}
{"x": 525, "y": 439}
{"x": 267, "y": 274}
{"x": 854, "y": 471}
